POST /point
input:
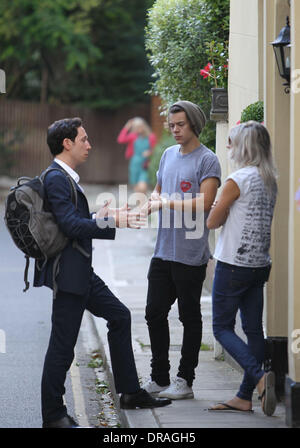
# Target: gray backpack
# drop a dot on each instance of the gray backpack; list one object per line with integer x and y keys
{"x": 31, "y": 224}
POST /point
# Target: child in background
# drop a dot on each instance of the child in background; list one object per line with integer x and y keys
{"x": 140, "y": 142}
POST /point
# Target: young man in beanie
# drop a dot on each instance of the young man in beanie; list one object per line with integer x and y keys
{"x": 178, "y": 267}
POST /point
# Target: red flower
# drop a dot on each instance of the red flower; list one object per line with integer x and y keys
{"x": 205, "y": 71}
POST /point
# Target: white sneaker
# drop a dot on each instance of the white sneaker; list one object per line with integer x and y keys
{"x": 153, "y": 388}
{"x": 178, "y": 390}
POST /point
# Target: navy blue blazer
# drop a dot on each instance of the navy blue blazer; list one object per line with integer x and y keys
{"x": 76, "y": 223}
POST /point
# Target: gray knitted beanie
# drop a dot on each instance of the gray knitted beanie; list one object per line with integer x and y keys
{"x": 194, "y": 113}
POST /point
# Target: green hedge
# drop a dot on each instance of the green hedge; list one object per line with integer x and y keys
{"x": 176, "y": 35}
{"x": 254, "y": 111}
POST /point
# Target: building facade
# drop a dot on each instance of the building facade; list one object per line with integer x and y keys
{"x": 253, "y": 76}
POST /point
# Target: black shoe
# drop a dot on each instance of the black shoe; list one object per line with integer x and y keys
{"x": 142, "y": 399}
{"x": 65, "y": 422}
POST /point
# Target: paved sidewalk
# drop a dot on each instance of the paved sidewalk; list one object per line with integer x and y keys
{"x": 123, "y": 265}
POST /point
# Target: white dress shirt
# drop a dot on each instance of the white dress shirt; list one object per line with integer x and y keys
{"x": 70, "y": 171}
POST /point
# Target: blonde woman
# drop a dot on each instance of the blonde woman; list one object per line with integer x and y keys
{"x": 245, "y": 210}
{"x": 140, "y": 141}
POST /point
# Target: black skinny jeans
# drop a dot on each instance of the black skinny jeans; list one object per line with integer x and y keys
{"x": 168, "y": 280}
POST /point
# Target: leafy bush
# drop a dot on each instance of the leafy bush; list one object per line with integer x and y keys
{"x": 254, "y": 111}
{"x": 176, "y": 37}
{"x": 174, "y": 41}
{"x": 208, "y": 135}
{"x": 90, "y": 53}
{"x": 216, "y": 71}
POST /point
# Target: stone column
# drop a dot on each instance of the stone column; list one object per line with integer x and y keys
{"x": 293, "y": 378}
{"x": 277, "y": 120}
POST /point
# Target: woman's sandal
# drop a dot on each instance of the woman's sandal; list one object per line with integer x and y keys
{"x": 268, "y": 396}
{"x": 226, "y": 407}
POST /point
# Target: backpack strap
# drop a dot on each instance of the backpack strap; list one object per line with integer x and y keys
{"x": 55, "y": 274}
{"x": 75, "y": 243}
{"x": 27, "y": 284}
{"x": 22, "y": 180}
{"x": 70, "y": 179}
{"x": 77, "y": 246}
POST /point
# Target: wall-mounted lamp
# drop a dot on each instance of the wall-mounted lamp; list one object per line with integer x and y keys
{"x": 282, "y": 50}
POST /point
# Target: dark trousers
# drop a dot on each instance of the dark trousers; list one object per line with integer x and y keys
{"x": 168, "y": 280}
{"x": 241, "y": 288}
{"x": 67, "y": 314}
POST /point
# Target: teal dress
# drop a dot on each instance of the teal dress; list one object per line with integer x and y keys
{"x": 137, "y": 173}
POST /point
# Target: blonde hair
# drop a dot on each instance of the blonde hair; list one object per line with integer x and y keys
{"x": 138, "y": 121}
{"x": 250, "y": 145}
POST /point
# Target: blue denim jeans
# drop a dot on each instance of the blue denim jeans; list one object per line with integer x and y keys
{"x": 241, "y": 288}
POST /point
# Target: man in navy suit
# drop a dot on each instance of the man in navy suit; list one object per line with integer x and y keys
{"x": 75, "y": 284}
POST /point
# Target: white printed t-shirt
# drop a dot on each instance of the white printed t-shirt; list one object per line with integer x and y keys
{"x": 246, "y": 235}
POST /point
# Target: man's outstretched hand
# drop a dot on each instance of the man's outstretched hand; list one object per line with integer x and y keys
{"x": 154, "y": 203}
{"x": 123, "y": 216}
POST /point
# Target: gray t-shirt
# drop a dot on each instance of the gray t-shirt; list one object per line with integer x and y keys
{"x": 180, "y": 176}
